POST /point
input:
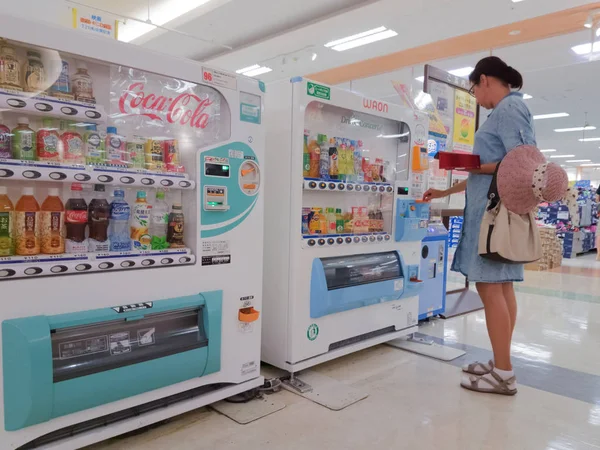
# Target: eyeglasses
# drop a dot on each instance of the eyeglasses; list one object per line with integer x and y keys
{"x": 472, "y": 90}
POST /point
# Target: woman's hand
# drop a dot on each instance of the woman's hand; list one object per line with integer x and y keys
{"x": 432, "y": 194}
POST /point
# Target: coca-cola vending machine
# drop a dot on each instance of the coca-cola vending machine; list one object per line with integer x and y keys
{"x": 131, "y": 234}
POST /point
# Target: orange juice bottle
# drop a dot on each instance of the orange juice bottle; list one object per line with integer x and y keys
{"x": 314, "y": 156}
{"x": 7, "y": 217}
{"x": 52, "y": 219}
{"x": 27, "y": 224}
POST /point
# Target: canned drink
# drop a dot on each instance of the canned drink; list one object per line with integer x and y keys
{"x": 155, "y": 151}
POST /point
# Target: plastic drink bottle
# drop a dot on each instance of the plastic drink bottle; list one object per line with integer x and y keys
{"x": 98, "y": 221}
{"x": 52, "y": 219}
{"x": 93, "y": 146}
{"x": 324, "y": 158}
{"x": 76, "y": 219}
{"x": 331, "y": 221}
{"x": 175, "y": 230}
{"x": 315, "y": 155}
{"x": 72, "y": 144}
{"x": 7, "y": 220}
{"x": 5, "y": 142}
{"x": 160, "y": 222}
{"x": 305, "y": 157}
{"x": 140, "y": 222}
{"x": 339, "y": 221}
{"x": 23, "y": 140}
{"x": 333, "y": 163}
{"x": 115, "y": 148}
{"x": 48, "y": 142}
{"x": 27, "y": 224}
{"x": 120, "y": 240}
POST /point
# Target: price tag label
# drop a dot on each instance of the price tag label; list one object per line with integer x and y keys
{"x": 219, "y": 78}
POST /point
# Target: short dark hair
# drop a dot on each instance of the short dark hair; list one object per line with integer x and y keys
{"x": 492, "y": 66}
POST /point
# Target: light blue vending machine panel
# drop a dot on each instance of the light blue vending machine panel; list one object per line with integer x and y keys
{"x": 57, "y": 365}
{"x": 433, "y": 268}
{"x": 343, "y": 283}
{"x": 411, "y": 220}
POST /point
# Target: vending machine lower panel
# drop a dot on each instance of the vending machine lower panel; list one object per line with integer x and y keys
{"x": 432, "y": 300}
{"x": 348, "y": 282}
{"x": 57, "y": 365}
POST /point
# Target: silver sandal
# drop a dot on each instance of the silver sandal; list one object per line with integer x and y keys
{"x": 499, "y": 387}
{"x": 478, "y": 368}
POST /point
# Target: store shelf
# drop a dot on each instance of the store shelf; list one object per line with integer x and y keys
{"x": 12, "y": 267}
{"x": 331, "y": 240}
{"x": 12, "y": 169}
{"x": 48, "y": 106}
{"x": 313, "y": 184}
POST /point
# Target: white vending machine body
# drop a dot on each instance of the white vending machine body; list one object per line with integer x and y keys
{"x": 341, "y": 283}
{"x": 130, "y": 337}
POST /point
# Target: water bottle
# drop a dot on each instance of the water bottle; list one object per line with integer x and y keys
{"x": 119, "y": 223}
{"x": 159, "y": 222}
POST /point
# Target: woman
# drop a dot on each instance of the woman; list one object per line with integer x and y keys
{"x": 509, "y": 125}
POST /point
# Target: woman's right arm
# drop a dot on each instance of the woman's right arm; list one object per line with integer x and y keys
{"x": 435, "y": 193}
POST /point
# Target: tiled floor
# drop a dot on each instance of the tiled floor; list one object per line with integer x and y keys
{"x": 415, "y": 402}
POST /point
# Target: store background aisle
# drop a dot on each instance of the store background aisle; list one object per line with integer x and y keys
{"x": 416, "y": 402}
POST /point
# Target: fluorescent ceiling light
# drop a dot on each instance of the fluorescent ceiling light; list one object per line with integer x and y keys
{"x": 517, "y": 1}
{"x": 258, "y": 71}
{"x": 355, "y": 36}
{"x": 586, "y": 49}
{"x": 548, "y": 150}
{"x": 247, "y": 69}
{"x": 368, "y": 37}
{"x": 566, "y": 130}
{"x": 420, "y": 79}
{"x": 578, "y": 160}
{"x": 527, "y": 96}
{"x": 590, "y": 165}
{"x": 462, "y": 72}
{"x": 562, "y": 156}
{"x": 550, "y": 116}
{"x": 160, "y": 14}
{"x": 589, "y": 139}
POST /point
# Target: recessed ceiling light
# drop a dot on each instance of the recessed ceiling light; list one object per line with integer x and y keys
{"x": 527, "y": 96}
{"x": 314, "y": 56}
{"x": 586, "y": 49}
{"x": 562, "y": 156}
{"x": 550, "y": 116}
{"x": 462, "y": 72}
{"x": 248, "y": 69}
{"x": 578, "y": 160}
{"x": 566, "y": 130}
{"x": 420, "y": 79}
{"x": 548, "y": 150}
{"x": 258, "y": 71}
{"x": 364, "y": 38}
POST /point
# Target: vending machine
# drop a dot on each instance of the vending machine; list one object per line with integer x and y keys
{"x": 343, "y": 223}
{"x": 131, "y": 236}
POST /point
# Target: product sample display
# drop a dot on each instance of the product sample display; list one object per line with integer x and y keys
{"x": 344, "y": 230}
{"x": 127, "y": 298}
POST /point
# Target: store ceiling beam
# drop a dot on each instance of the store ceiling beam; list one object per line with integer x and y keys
{"x": 542, "y": 27}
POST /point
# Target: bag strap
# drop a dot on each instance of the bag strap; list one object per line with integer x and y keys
{"x": 493, "y": 196}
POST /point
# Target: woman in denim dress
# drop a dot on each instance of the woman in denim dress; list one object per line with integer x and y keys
{"x": 509, "y": 125}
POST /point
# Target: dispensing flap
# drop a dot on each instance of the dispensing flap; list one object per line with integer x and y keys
{"x": 355, "y": 270}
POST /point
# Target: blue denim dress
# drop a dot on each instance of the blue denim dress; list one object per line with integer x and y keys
{"x": 509, "y": 125}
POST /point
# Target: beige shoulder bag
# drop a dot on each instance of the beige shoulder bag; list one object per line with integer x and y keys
{"x": 505, "y": 236}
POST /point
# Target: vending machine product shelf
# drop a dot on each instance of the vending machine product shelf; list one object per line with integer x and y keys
{"x": 129, "y": 190}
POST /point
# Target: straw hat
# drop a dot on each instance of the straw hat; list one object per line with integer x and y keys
{"x": 525, "y": 180}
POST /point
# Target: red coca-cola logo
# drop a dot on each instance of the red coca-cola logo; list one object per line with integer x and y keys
{"x": 185, "y": 109}
{"x": 76, "y": 216}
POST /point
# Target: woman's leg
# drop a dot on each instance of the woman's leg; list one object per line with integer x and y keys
{"x": 511, "y": 303}
{"x": 498, "y": 321}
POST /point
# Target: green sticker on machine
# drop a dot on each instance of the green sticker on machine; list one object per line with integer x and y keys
{"x": 312, "y": 332}
{"x": 319, "y": 91}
